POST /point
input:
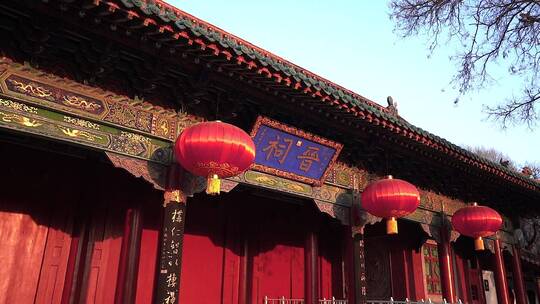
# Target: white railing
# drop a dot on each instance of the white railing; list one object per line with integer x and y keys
{"x": 407, "y": 301}
{"x": 333, "y": 301}
{"x": 283, "y": 300}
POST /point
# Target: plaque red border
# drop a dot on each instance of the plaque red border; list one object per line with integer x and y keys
{"x": 261, "y": 120}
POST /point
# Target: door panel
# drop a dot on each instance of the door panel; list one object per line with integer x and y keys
{"x": 104, "y": 245}
{"x": 22, "y": 241}
{"x": 55, "y": 260}
{"x": 53, "y": 212}
{"x": 34, "y": 228}
{"x": 331, "y": 251}
{"x": 203, "y": 254}
{"x": 379, "y": 285}
{"x": 278, "y": 252}
{"x": 477, "y": 290}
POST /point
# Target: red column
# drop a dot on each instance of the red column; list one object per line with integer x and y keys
{"x": 519, "y": 283}
{"x": 537, "y": 286}
{"x": 129, "y": 257}
{"x": 445, "y": 263}
{"x": 417, "y": 275}
{"x": 311, "y": 285}
{"x": 500, "y": 275}
{"x": 462, "y": 273}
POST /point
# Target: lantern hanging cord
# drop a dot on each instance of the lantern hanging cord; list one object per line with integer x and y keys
{"x": 217, "y": 105}
{"x": 386, "y": 162}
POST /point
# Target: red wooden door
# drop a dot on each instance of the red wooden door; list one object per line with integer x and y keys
{"x": 278, "y": 263}
{"x": 61, "y": 231}
{"x": 55, "y": 259}
{"x": 103, "y": 255}
{"x": 219, "y": 231}
{"x": 203, "y": 254}
{"x": 378, "y": 271}
{"x": 477, "y": 290}
{"x": 35, "y": 229}
{"x": 331, "y": 262}
{"x": 23, "y": 243}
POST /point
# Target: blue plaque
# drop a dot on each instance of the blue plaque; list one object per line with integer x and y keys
{"x": 288, "y": 152}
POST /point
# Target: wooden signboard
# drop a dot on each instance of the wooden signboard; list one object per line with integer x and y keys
{"x": 285, "y": 151}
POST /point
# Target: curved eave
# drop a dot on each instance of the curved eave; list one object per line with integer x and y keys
{"x": 167, "y": 19}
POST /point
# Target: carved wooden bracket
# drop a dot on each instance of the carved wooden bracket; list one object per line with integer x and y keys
{"x": 489, "y": 245}
{"x": 334, "y": 210}
{"x": 360, "y": 216}
{"x": 432, "y": 231}
{"x": 454, "y": 235}
{"x": 154, "y": 173}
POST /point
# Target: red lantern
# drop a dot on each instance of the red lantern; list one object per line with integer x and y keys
{"x": 477, "y": 222}
{"x": 214, "y": 150}
{"x": 390, "y": 198}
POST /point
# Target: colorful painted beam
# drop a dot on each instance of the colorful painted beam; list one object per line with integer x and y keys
{"x": 20, "y": 116}
{"x": 49, "y": 91}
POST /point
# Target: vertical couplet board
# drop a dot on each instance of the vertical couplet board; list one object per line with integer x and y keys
{"x": 361, "y": 296}
{"x": 171, "y": 252}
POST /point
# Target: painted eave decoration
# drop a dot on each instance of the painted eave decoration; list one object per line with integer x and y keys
{"x": 288, "y": 152}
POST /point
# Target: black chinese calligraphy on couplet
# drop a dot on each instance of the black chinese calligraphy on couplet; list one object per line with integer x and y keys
{"x": 171, "y": 253}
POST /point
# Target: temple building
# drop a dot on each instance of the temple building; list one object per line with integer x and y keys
{"x": 108, "y": 109}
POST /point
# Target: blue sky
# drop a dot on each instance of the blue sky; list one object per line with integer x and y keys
{"x": 352, "y": 43}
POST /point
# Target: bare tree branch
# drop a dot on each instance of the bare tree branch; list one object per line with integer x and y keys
{"x": 490, "y": 31}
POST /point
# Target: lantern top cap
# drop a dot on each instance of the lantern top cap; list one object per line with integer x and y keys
{"x": 475, "y": 204}
{"x": 389, "y": 177}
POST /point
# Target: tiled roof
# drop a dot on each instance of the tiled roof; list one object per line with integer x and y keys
{"x": 207, "y": 36}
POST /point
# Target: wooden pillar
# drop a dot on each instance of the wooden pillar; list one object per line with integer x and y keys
{"x": 480, "y": 280}
{"x": 129, "y": 257}
{"x": 445, "y": 264}
{"x": 359, "y": 258}
{"x": 244, "y": 273}
{"x": 519, "y": 280}
{"x": 311, "y": 285}
{"x": 170, "y": 260}
{"x": 462, "y": 272}
{"x": 537, "y": 287}
{"x": 399, "y": 269}
{"x": 500, "y": 274}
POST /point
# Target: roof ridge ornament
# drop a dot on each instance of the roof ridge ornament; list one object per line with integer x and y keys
{"x": 392, "y": 106}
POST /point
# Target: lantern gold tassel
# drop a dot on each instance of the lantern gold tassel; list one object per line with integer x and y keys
{"x": 391, "y": 226}
{"x": 479, "y": 244}
{"x": 213, "y": 185}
